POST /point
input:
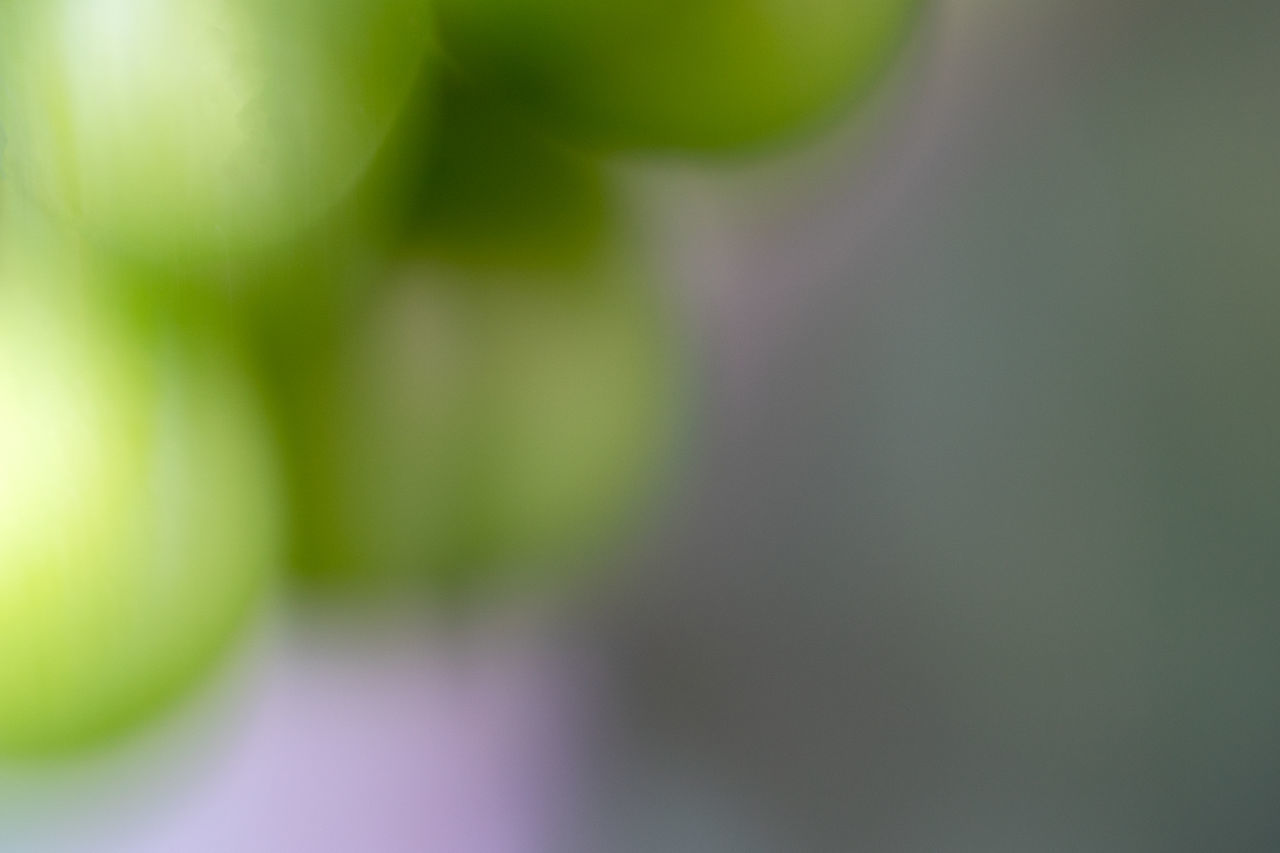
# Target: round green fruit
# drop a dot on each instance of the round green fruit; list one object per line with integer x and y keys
{"x": 676, "y": 75}
{"x": 498, "y": 405}
{"x": 188, "y": 130}
{"x": 138, "y": 510}
{"x": 465, "y": 429}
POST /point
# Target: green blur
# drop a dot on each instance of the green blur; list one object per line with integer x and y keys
{"x": 679, "y": 75}
{"x": 188, "y": 132}
{"x": 492, "y": 407}
{"x": 139, "y": 514}
{"x": 289, "y": 282}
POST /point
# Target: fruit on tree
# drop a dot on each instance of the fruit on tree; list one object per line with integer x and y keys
{"x": 685, "y": 75}
{"x": 139, "y": 510}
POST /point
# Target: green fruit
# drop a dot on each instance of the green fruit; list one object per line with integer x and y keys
{"x": 187, "y": 130}
{"x": 498, "y": 404}
{"x": 138, "y": 507}
{"x": 676, "y": 75}
{"x": 480, "y": 427}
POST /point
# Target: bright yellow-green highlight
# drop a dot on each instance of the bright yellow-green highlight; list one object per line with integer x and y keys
{"x": 138, "y": 509}
{"x": 677, "y": 74}
{"x": 184, "y": 130}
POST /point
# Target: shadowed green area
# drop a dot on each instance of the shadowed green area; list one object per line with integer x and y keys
{"x": 699, "y": 75}
{"x": 498, "y": 193}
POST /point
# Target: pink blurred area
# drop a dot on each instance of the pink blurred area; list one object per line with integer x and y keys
{"x": 335, "y": 740}
{"x": 406, "y": 751}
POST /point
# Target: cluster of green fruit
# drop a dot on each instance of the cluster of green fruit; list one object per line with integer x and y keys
{"x": 337, "y": 285}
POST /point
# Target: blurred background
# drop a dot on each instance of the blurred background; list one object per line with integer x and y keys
{"x": 974, "y": 547}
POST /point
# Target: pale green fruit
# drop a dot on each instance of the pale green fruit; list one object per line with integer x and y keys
{"x": 482, "y": 407}
{"x": 474, "y": 430}
{"x": 139, "y": 509}
{"x": 188, "y": 129}
{"x": 680, "y": 74}
{"x": 491, "y": 412}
